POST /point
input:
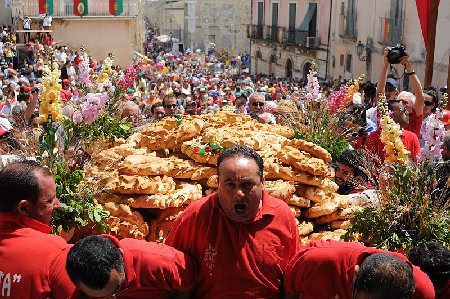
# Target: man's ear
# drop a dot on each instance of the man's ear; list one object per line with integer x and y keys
{"x": 22, "y": 207}
{"x": 356, "y": 273}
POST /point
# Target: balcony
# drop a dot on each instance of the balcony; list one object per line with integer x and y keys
{"x": 347, "y": 26}
{"x": 255, "y": 31}
{"x": 391, "y": 31}
{"x": 96, "y": 8}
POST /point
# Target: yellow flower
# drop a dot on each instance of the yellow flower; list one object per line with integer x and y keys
{"x": 50, "y": 94}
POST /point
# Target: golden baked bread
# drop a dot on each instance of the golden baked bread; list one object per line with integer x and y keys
{"x": 279, "y": 189}
{"x": 305, "y": 228}
{"x": 145, "y": 165}
{"x": 303, "y": 161}
{"x": 318, "y": 210}
{"x": 132, "y": 184}
{"x": 312, "y": 148}
{"x": 296, "y": 211}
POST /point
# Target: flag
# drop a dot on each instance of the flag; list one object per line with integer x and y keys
{"x": 387, "y": 31}
{"x": 344, "y": 25}
{"x": 424, "y": 11}
{"x": 80, "y": 7}
{"x": 46, "y": 7}
{"x": 115, "y": 7}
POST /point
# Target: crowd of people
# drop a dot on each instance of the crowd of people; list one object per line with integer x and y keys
{"x": 239, "y": 242}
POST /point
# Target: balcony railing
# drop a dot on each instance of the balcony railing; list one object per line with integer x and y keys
{"x": 347, "y": 26}
{"x": 96, "y": 8}
{"x": 284, "y": 36}
{"x": 255, "y": 31}
{"x": 391, "y": 30}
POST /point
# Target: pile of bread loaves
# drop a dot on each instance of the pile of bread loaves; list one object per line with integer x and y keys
{"x": 146, "y": 181}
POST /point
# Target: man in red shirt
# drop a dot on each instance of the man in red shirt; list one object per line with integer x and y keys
{"x": 104, "y": 267}
{"x": 410, "y": 140}
{"x": 390, "y": 87}
{"x": 240, "y": 237}
{"x": 434, "y": 259}
{"x": 28, "y": 252}
{"x": 333, "y": 269}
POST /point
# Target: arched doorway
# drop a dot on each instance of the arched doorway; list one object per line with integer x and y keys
{"x": 306, "y": 68}
{"x": 289, "y": 68}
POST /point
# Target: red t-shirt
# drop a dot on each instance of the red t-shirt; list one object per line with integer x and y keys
{"x": 374, "y": 145}
{"x": 325, "y": 269}
{"x": 237, "y": 260}
{"x": 28, "y": 264}
{"x": 415, "y": 122}
{"x": 153, "y": 270}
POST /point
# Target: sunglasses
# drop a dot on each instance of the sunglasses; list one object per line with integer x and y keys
{"x": 428, "y": 103}
{"x": 260, "y": 104}
{"x": 170, "y": 106}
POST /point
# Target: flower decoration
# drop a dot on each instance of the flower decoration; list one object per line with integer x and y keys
{"x": 352, "y": 89}
{"x": 127, "y": 80}
{"x": 84, "y": 71}
{"x": 106, "y": 69}
{"x": 312, "y": 87}
{"x": 50, "y": 94}
{"x": 90, "y": 108}
{"x": 336, "y": 98}
{"x": 390, "y": 136}
{"x": 432, "y": 132}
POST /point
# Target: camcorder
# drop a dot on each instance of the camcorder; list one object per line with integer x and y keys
{"x": 395, "y": 54}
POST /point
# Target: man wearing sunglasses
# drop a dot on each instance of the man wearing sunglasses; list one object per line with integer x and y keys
{"x": 345, "y": 270}
{"x": 256, "y": 106}
{"x": 170, "y": 104}
{"x": 104, "y": 267}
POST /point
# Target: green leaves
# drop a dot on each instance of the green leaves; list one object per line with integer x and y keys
{"x": 407, "y": 216}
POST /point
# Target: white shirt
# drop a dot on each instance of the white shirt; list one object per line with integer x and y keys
{"x": 27, "y": 23}
{"x": 47, "y": 21}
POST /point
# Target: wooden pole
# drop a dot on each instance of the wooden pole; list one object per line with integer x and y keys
{"x": 429, "y": 61}
{"x": 448, "y": 81}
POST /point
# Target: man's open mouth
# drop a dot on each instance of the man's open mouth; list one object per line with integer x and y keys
{"x": 240, "y": 208}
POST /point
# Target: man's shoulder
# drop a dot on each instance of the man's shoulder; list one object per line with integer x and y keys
{"x": 204, "y": 203}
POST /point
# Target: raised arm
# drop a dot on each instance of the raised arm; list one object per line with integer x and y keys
{"x": 416, "y": 85}
{"x": 383, "y": 74}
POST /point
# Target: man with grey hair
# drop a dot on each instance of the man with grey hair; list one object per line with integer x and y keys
{"x": 256, "y": 105}
{"x": 446, "y": 147}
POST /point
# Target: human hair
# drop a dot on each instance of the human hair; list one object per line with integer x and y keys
{"x": 407, "y": 95}
{"x": 446, "y": 140}
{"x": 391, "y": 104}
{"x": 358, "y": 160}
{"x": 18, "y": 181}
{"x": 257, "y": 95}
{"x": 432, "y": 92}
{"x": 242, "y": 151}
{"x": 168, "y": 96}
{"x": 385, "y": 277}
{"x": 156, "y": 105}
{"x": 91, "y": 260}
{"x": 433, "y": 259}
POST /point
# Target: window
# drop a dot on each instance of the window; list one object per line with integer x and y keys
{"x": 348, "y": 63}
{"x": 342, "y": 8}
{"x": 309, "y": 23}
{"x": 212, "y": 38}
{"x": 292, "y": 15}
{"x": 333, "y": 61}
{"x": 274, "y": 29}
{"x": 260, "y": 13}
{"x": 341, "y": 61}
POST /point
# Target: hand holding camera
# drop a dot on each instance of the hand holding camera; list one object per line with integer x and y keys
{"x": 395, "y": 54}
